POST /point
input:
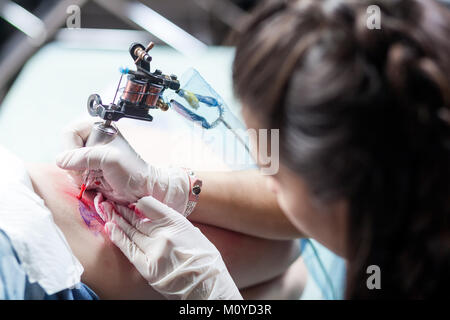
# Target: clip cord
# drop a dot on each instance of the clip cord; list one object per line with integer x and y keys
{"x": 323, "y": 269}
{"x": 188, "y": 114}
{"x": 209, "y": 102}
{"x": 118, "y": 86}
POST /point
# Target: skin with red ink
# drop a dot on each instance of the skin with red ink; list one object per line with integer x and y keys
{"x": 87, "y": 209}
{"x": 83, "y": 189}
{"x": 90, "y": 216}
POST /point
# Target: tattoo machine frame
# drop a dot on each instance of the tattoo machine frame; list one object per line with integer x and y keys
{"x": 144, "y": 92}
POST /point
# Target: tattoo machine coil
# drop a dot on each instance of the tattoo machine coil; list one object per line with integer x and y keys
{"x": 143, "y": 91}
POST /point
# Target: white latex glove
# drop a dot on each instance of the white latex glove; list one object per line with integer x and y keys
{"x": 125, "y": 177}
{"x": 173, "y": 255}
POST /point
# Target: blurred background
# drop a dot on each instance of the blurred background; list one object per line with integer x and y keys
{"x": 54, "y": 54}
{"x": 27, "y": 25}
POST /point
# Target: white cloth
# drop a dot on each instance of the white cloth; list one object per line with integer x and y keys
{"x": 43, "y": 251}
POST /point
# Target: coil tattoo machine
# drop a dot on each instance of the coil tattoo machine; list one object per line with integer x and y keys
{"x": 142, "y": 92}
{"x": 145, "y": 91}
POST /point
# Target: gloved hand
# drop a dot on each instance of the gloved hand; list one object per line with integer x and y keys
{"x": 125, "y": 176}
{"x": 173, "y": 255}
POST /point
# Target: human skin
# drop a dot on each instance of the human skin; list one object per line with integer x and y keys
{"x": 234, "y": 200}
{"x": 280, "y": 287}
{"x": 250, "y": 260}
{"x": 242, "y": 202}
{"x": 324, "y": 222}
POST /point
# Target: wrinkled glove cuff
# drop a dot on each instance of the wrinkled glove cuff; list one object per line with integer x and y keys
{"x": 170, "y": 186}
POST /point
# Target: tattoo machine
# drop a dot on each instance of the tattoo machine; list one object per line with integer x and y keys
{"x": 142, "y": 92}
{"x": 145, "y": 91}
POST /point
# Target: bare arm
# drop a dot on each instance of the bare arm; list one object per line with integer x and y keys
{"x": 250, "y": 260}
{"x": 240, "y": 201}
{"x": 288, "y": 286}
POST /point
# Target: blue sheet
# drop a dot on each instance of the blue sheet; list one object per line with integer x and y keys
{"x": 14, "y": 284}
{"x": 326, "y": 272}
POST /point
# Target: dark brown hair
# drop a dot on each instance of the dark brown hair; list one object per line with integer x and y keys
{"x": 363, "y": 116}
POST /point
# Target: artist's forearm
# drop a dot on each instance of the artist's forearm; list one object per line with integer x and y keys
{"x": 250, "y": 260}
{"x": 241, "y": 201}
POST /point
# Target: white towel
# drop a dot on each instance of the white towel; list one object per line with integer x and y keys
{"x": 44, "y": 253}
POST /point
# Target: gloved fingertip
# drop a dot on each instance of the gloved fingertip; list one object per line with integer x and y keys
{"x": 101, "y": 212}
{"x": 146, "y": 203}
{"x": 109, "y": 228}
{"x": 139, "y": 213}
{"x": 63, "y": 160}
{"x": 132, "y": 206}
{"x": 105, "y": 209}
{"x": 60, "y": 159}
{"x": 74, "y": 178}
{"x": 153, "y": 209}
